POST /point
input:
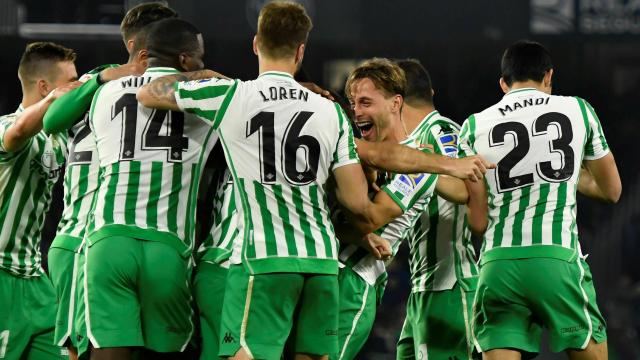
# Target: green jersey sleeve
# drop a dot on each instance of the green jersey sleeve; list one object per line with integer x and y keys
{"x": 406, "y": 189}
{"x": 596, "y": 145}
{"x": 467, "y": 138}
{"x": 71, "y": 107}
{"x": 345, "y": 152}
{"x": 206, "y": 98}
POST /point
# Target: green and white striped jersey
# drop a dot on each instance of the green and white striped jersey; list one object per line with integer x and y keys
{"x": 413, "y": 194}
{"x": 218, "y": 244}
{"x": 80, "y": 181}
{"x": 538, "y": 142}
{"x": 280, "y": 141}
{"x": 27, "y": 177}
{"x": 440, "y": 249}
{"x": 150, "y": 166}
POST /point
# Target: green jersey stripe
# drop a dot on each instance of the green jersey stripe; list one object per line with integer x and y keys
{"x": 523, "y": 204}
{"x": 22, "y": 201}
{"x": 600, "y": 133}
{"x": 154, "y": 193}
{"x": 204, "y": 92}
{"x": 110, "y": 196}
{"x": 538, "y": 217}
{"x": 225, "y": 105}
{"x": 587, "y": 144}
{"x": 191, "y": 202}
{"x": 431, "y": 238}
{"x": 320, "y": 222}
{"x": 267, "y": 220}
{"x": 504, "y": 211}
{"x": 174, "y": 198}
{"x": 283, "y": 212}
{"x": 558, "y": 214}
{"x": 298, "y": 203}
{"x": 131, "y": 198}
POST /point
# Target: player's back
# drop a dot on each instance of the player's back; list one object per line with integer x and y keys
{"x": 538, "y": 141}
{"x": 150, "y": 165}
{"x": 282, "y": 142}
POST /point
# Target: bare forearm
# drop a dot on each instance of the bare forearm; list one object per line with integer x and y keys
{"x": 401, "y": 159}
{"x": 27, "y": 125}
{"x": 587, "y": 186}
{"x": 160, "y": 93}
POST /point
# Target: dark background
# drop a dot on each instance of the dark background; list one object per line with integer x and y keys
{"x": 595, "y": 47}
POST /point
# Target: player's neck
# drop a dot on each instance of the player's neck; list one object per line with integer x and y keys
{"x": 286, "y": 65}
{"x": 529, "y": 84}
{"x": 398, "y": 133}
{"x": 413, "y": 115}
{"x": 29, "y": 98}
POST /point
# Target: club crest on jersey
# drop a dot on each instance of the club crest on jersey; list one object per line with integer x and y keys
{"x": 449, "y": 144}
{"x": 407, "y": 183}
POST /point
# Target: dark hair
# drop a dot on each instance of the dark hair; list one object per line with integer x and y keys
{"x": 282, "y": 27}
{"x": 39, "y": 57}
{"x": 419, "y": 89}
{"x": 142, "y": 15}
{"x": 525, "y": 60}
{"x": 167, "y": 39}
{"x": 384, "y": 73}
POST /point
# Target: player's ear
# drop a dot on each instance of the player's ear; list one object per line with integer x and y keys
{"x": 43, "y": 87}
{"x": 398, "y": 100}
{"x": 432, "y": 93}
{"x": 546, "y": 80}
{"x": 255, "y": 45}
{"x": 129, "y": 44}
{"x": 503, "y": 85}
{"x": 299, "y": 53}
{"x": 142, "y": 57}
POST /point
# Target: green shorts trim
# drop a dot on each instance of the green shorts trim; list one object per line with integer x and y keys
{"x": 137, "y": 293}
{"x": 263, "y": 312}
{"x": 65, "y": 266}
{"x": 209, "y": 285}
{"x": 517, "y": 298}
{"x": 27, "y": 318}
{"x": 357, "y": 313}
{"x": 438, "y": 325}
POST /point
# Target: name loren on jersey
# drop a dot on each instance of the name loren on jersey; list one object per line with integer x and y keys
{"x": 282, "y": 93}
{"x": 523, "y": 104}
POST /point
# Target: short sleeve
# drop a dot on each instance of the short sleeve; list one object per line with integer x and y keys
{"x": 596, "y": 144}
{"x": 406, "y": 189}
{"x": 206, "y": 98}
{"x": 345, "y": 152}
{"x": 444, "y": 139}
{"x": 467, "y": 138}
{"x": 5, "y": 123}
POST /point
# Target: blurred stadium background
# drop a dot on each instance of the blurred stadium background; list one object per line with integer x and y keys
{"x": 595, "y": 45}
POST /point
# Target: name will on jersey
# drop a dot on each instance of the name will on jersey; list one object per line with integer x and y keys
{"x": 281, "y": 93}
{"x": 523, "y": 104}
{"x": 135, "y": 81}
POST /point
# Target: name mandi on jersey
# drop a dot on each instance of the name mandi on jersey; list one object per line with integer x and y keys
{"x": 523, "y": 104}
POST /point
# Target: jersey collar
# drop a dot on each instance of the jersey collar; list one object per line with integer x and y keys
{"x": 161, "y": 69}
{"x": 520, "y": 90}
{"x": 276, "y": 73}
{"x": 423, "y": 123}
{"x": 19, "y": 110}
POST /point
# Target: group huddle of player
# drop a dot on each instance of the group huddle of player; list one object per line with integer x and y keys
{"x": 244, "y": 220}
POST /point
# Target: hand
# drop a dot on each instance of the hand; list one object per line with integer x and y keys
{"x": 114, "y": 73}
{"x": 61, "y": 90}
{"x": 377, "y": 246}
{"x": 318, "y": 90}
{"x": 470, "y": 168}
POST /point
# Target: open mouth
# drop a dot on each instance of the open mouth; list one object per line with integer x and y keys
{"x": 366, "y": 127}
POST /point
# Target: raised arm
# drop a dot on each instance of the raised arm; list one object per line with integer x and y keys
{"x": 29, "y": 123}
{"x": 68, "y": 109}
{"x": 160, "y": 93}
{"x": 599, "y": 179}
{"x": 402, "y": 159}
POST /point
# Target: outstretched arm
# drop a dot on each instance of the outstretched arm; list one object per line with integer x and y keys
{"x": 402, "y": 159}
{"x": 70, "y": 108}
{"x": 29, "y": 123}
{"x": 160, "y": 93}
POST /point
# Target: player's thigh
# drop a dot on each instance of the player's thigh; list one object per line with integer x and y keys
{"x": 356, "y": 315}
{"x": 441, "y": 324}
{"x": 404, "y": 348}
{"x": 502, "y": 317}
{"x": 258, "y": 312}
{"x": 64, "y": 269}
{"x": 209, "y": 286}
{"x": 566, "y": 304}
{"x": 165, "y": 298}
{"x": 316, "y": 323}
{"x": 15, "y": 332}
{"x": 112, "y": 308}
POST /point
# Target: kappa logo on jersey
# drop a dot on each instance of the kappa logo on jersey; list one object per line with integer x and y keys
{"x": 407, "y": 183}
{"x": 449, "y": 144}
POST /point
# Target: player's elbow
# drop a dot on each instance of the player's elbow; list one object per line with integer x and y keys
{"x": 613, "y": 192}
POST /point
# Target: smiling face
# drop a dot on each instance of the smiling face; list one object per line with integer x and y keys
{"x": 376, "y": 111}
